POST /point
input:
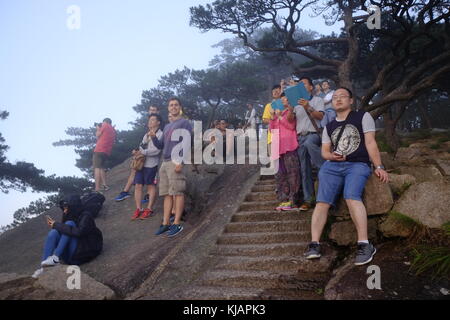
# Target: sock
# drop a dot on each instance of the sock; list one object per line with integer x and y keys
{"x": 316, "y": 242}
{"x": 363, "y": 241}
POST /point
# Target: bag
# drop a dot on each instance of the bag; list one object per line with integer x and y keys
{"x": 93, "y": 202}
{"x": 137, "y": 163}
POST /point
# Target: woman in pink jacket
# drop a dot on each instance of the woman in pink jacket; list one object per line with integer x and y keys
{"x": 288, "y": 176}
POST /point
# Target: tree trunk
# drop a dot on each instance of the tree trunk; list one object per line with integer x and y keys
{"x": 392, "y": 139}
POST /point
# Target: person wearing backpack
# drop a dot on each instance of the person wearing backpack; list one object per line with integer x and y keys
{"x": 349, "y": 146}
{"x": 75, "y": 240}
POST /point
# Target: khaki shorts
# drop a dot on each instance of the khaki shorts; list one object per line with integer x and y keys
{"x": 170, "y": 182}
{"x": 99, "y": 160}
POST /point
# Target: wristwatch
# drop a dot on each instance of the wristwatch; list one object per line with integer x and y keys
{"x": 380, "y": 167}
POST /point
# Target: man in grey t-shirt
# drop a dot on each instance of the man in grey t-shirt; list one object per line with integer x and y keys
{"x": 309, "y": 152}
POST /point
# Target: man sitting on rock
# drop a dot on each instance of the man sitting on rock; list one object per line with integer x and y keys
{"x": 349, "y": 146}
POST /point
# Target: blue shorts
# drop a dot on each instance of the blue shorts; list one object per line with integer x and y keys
{"x": 335, "y": 176}
{"x": 146, "y": 176}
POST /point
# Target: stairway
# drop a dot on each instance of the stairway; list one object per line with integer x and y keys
{"x": 260, "y": 254}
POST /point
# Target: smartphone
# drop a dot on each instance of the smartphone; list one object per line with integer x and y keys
{"x": 339, "y": 153}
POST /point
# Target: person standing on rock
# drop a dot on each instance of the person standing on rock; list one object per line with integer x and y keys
{"x": 106, "y": 136}
{"x": 288, "y": 175}
{"x": 125, "y": 193}
{"x": 172, "y": 177}
{"x": 75, "y": 240}
{"x": 147, "y": 175}
{"x": 349, "y": 146}
{"x": 308, "y": 140}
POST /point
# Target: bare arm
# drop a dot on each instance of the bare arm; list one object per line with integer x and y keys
{"x": 374, "y": 154}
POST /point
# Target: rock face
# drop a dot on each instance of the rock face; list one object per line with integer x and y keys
{"x": 422, "y": 173}
{"x": 344, "y": 233}
{"x": 407, "y": 154}
{"x": 377, "y": 198}
{"x": 392, "y": 226}
{"x": 427, "y": 202}
{"x": 54, "y": 284}
{"x": 400, "y": 182}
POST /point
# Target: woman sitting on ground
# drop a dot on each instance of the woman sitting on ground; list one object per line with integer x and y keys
{"x": 75, "y": 240}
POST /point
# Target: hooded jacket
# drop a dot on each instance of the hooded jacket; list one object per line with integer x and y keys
{"x": 90, "y": 239}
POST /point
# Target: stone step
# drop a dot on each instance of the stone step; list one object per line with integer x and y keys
{"x": 266, "y": 226}
{"x": 271, "y": 215}
{"x": 261, "y": 196}
{"x": 258, "y": 205}
{"x": 263, "y": 237}
{"x": 257, "y": 250}
{"x": 278, "y": 264}
{"x": 266, "y": 182}
{"x": 231, "y": 293}
{"x": 263, "y": 279}
{"x": 263, "y": 188}
{"x": 266, "y": 177}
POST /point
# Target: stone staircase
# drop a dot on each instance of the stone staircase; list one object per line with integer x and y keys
{"x": 260, "y": 254}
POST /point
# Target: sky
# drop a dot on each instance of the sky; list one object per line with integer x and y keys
{"x": 53, "y": 77}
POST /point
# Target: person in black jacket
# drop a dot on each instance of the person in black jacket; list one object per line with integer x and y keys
{"x": 75, "y": 240}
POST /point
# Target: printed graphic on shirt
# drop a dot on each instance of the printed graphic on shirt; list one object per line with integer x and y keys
{"x": 350, "y": 139}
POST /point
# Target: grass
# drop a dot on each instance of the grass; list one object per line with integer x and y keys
{"x": 435, "y": 146}
{"x": 407, "y": 221}
{"x": 434, "y": 258}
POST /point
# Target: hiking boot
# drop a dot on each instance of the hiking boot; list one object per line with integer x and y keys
{"x": 122, "y": 196}
{"x": 162, "y": 229}
{"x": 37, "y": 273}
{"x": 147, "y": 214}
{"x": 305, "y": 206}
{"x": 136, "y": 214}
{"x": 283, "y": 205}
{"x": 313, "y": 251}
{"x": 364, "y": 254}
{"x": 174, "y": 230}
{"x": 50, "y": 261}
{"x": 146, "y": 199}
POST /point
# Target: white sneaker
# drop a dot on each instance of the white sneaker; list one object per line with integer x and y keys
{"x": 50, "y": 261}
{"x": 37, "y": 273}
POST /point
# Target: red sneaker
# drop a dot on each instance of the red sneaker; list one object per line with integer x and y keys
{"x": 147, "y": 214}
{"x": 136, "y": 214}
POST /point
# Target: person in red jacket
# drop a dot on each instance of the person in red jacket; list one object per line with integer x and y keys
{"x": 106, "y": 136}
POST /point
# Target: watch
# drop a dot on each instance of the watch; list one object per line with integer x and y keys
{"x": 380, "y": 167}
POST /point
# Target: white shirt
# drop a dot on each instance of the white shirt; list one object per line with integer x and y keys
{"x": 304, "y": 125}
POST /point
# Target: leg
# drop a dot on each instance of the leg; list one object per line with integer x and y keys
{"x": 174, "y": 206}
{"x": 312, "y": 144}
{"x": 63, "y": 241}
{"x": 138, "y": 195}
{"x": 305, "y": 170}
{"x": 103, "y": 177}
{"x": 151, "y": 190}
{"x": 70, "y": 251}
{"x": 51, "y": 243}
{"x": 130, "y": 181}
{"x": 359, "y": 217}
{"x": 97, "y": 179}
{"x": 319, "y": 219}
{"x": 179, "y": 206}
{"x": 168, "y": 202}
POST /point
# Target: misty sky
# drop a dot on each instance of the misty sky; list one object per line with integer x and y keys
{"x": 52, "y": 78}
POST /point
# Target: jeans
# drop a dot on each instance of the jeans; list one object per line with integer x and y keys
{"x": 351, "y": 176}
{"x": 309, "y": 153}
{"x": 60, "y": 245}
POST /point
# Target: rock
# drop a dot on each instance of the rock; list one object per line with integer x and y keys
{"x": 445, "y": 292}
{"x": 427, "y": 203}
{"x": 394, "y": 226}
{"x": 344, "y": 233}
{"x": 388, "y": 160}
{"x": 58, "y": 279}
{"x": 377, "y": 198}
{"x": 407, "y": 154}
{"x": 400, "y": 182}
{"x": 443, "y": 166}
{"x": 422, "y": 173}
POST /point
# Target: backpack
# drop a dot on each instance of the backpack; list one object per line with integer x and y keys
{"x": 93, "y": 203}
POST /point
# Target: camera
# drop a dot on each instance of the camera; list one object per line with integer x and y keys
{"x": 97, "y": 124}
